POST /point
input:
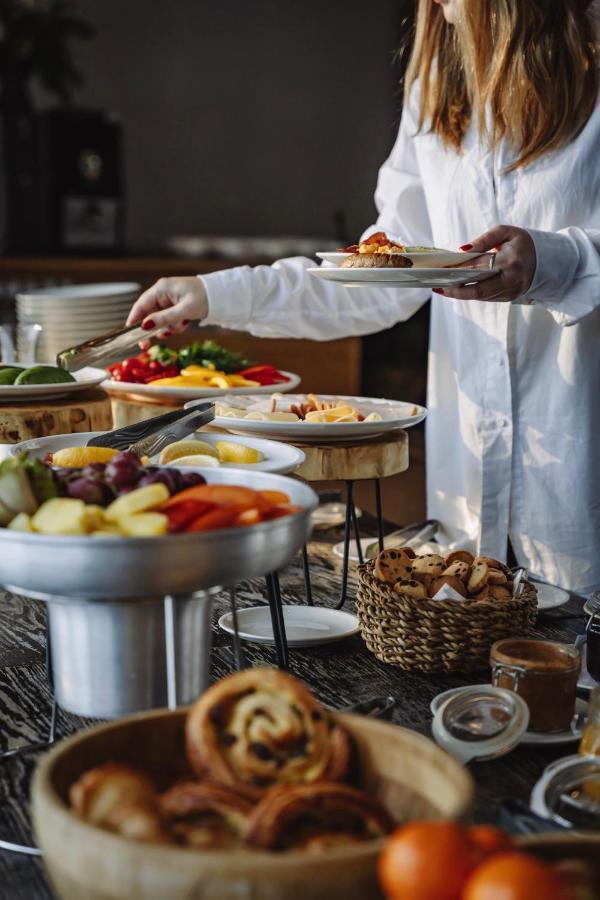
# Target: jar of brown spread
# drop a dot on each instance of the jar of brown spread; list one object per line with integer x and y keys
{"x": 544, "y": 674}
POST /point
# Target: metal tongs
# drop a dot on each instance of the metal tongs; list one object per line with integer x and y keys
{"x": 103, "y": 348}
{"x": 151, "y": 436}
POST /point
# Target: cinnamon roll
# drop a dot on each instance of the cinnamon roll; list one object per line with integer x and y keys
{"x": 262, "y": 727}
{"x": 315, "y": 817}
{"x": 205, "y": 816}
{"x": 119, "y": 798}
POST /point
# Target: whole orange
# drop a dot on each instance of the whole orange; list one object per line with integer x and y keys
{"x": 489, "y": 839}
{"x": 514, "y": 876}
{"x": 427, "y": 861}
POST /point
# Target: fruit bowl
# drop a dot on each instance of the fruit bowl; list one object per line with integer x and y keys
{"x": 411, "y": 776}
{"x": 41, "y": 566}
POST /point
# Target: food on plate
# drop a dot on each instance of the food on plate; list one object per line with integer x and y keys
{"x": 126, "y": 498}
{"x": 310, "y": 409}
{"x": 263, "y": 727}
{"x": 315, "y": 817}
{"x": 376, "y": 260}
{"x": 422, "y": 577}
{"x": 447, "y": 861}
{"x": 18, "y": 375}
{"x": 270, "y": 763}
{"x": 77, "y": 457}
{"x": 203, "y": 364}
{"x": 201, "y": 453}
{"x": 378, "y": 242}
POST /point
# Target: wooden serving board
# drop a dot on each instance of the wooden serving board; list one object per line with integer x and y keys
{"x": 89, "y": 411}
{"x": 129, "y": 409}
{"x": 355, "y": 460}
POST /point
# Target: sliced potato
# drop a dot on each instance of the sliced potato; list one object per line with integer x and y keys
{"x": 22, "y": 522}
{"x": 94, "y": 517}
{"x": 146, "y": 524}
{"x": 141, "y": 500}
{"x": 61, "y": 515}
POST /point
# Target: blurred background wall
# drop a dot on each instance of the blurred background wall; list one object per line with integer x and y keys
{"x": 246, "y": 116}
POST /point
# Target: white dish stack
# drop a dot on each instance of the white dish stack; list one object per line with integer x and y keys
{"x": 71, "y": 315}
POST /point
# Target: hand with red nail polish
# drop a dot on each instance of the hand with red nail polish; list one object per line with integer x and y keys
{"x": 170, "y": 305}
{"x": 510, "y": 253}
{"x": 438, "y": 291}
{"x": 466, "y": 247}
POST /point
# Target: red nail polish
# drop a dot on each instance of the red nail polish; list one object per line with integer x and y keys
{"x": 166, "y": 332}
{"x": 466, "y": 247}
{"x": 148, "y": 325}
{"x": 186, "y": 322}
{"x": 438, "y": 291}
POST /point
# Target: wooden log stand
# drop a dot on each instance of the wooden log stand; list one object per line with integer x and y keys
{"x": 89, "y": 411}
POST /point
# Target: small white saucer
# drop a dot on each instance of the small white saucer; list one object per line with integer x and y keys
{"x": 549, "y": 596}
{"x": 530, "y": 737}
{"x": 353, "y": 549}
{"x": 305, "y": 626}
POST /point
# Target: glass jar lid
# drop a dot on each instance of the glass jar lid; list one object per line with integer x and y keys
{"x": 568, "y": 793}
{"x": 480, "y": 722}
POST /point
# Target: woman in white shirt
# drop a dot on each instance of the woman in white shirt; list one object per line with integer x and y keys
{"x": 498, "y": 147}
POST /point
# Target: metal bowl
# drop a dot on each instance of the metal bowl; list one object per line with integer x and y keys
{"x": 43, "y": 566}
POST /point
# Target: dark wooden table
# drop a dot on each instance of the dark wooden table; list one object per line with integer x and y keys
{"x": 340, "y": 674}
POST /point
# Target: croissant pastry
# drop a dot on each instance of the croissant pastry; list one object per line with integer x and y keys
{"x": 315, "y": 817}
{"x": 262, "y": 727}
{"x": 119, "y": 798}
{"x": 205, "y": 816}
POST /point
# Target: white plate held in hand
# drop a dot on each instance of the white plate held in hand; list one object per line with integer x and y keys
{"x": 305, "y": 626}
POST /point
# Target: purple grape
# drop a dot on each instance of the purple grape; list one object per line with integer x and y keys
{"x": 87, "y": 489}
{"x": 124, "y": 470}
{"x": 168, "y": 477}
{"x": 190, "y": 479}
{"x": 94, "y": 470}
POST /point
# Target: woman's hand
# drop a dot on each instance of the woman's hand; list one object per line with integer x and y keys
{"x": 170, "y": 304}
{"x": 515, "y": 257}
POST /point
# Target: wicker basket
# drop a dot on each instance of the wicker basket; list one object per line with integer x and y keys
{"x": 437, "y": 635}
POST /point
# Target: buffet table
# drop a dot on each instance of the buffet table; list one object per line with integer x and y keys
{"x": 340, "y": 674}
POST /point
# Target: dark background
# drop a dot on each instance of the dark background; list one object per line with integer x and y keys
{"x": 250, "y": 117}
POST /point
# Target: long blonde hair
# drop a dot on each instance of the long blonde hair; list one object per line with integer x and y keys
{"x": 532, "y": 63}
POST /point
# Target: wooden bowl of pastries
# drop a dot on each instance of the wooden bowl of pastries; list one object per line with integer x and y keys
{"x": 256, "y": 791}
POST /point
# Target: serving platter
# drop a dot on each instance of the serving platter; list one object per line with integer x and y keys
{"x": 195, "y": 393}
{"x": 405, "y": 278}
{"x": 118, "y": 568}
{"x": 84, "y": 380}
{"x": 395, "y": 413}
{"x": 550, "y": 596}
{"x": 433, "y": 258}
{"x": 278, "y": 458}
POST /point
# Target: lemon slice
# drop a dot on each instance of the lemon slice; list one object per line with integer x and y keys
{"x": 186, "y": 448}
{"x": 82, "y": 456}
{"x": 232, "y": 452}
{"x": 198, "y": 459}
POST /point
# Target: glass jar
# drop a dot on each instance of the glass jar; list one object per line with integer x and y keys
{"x": 593, "y": 638}
{"x": 590, "y": 739}
{"x": 544, "y": 673}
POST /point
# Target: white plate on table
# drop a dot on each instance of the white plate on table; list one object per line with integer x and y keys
{"x": 530, "y": 738}
{"x": 416, "y": 278}
{"x": 395, "y": 413}
{"x": 433, "y": 259}
{"x": 196, "y": 393}
{"x": 84, "y": 380}
{"x": 278, "y": 458}
{"x": 305, "y": 626}
{"x": 549, "y": 596}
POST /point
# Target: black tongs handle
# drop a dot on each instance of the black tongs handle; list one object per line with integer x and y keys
{"x": 123, "y": 438}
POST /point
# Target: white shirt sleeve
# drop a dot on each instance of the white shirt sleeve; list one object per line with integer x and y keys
{"x": 283, "y": 300}
{"x": 567, "y": 275}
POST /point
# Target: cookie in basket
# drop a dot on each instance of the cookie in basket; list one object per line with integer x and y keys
{"x": 452, "y": 581}
{"x": 392, "y": 565}
{"x": 430, "y": 563}
{"x": 411, "y": 588}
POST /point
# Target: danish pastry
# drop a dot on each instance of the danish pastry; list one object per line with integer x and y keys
{"x": 260, "y": 727}
{"x": 314, "y": 817}
{"x": 205, "y": 816}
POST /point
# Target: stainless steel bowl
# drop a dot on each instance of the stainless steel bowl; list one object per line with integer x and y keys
{"x": 128, "y": 568}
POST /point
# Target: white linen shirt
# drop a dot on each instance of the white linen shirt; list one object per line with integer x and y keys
{"x": 513, "y": 431}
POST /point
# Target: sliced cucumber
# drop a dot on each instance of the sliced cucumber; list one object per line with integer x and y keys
{"x": 9, "y": 374}
{"x": 44, "y": 375}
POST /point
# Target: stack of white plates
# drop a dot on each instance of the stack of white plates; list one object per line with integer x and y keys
{"x": 71, "y": 315}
